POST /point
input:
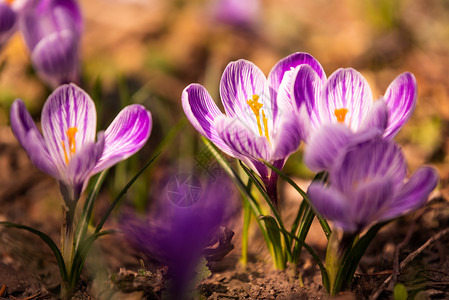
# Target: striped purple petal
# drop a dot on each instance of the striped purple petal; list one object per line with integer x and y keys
{"x": 241, "y": 140}
{"x": 376, "y": 158}
{"x": 346, "y": 89}
{"x": 325, "y": 145}
{"x": 50, "y": 16}
{"x": 125, "y": 136}
{"x": 401, "y": 100}
{"x": 55, "y": 58}
{"x": 377, "y": 117}
{"x": 412, "y": 194}
{"x": 81, "y": 165}
{"x": 369, "y": 201}
{"x": 332, "y": 204}
{"x": 307, "y": 90}
{"x": 202, "y": 111}
{"x": 68, "y": 123}
{"x": 8, "y": 22}
{"x": 288, "y": 136}
{"x": 31, "y": 139}
{"x": 276, "y": 77}
{"x": 242, "y": 81}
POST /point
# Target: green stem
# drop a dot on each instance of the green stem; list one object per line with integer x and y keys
{"x": 245, "y": 233}
{"x": 67, "y": 246}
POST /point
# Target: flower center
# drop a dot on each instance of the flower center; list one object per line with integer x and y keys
{"x": 256, "y": 107}
{"x": 341, "y": 114}
{"x": 72, "y": 146}
{"x": 9, "y": 2}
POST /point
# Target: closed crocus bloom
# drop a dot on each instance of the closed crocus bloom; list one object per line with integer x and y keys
{"x": 346, "y": 98}
{"x": 52, "y": 31}
{"x": 10, "y": 12}
{"x": 236, "y": 12}
{"x": 67, "y": 149}
{"x": 367, "y": 184}
{"x": 260, "y": 122}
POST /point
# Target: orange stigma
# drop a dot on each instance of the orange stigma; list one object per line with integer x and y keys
{"x": 256, "y": 107}
{"x": 72, "y": 145}
{"x": 9, "y": 2}
{"x": 341, "y": 114}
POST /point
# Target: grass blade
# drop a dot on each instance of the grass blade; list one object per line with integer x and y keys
{"x": 48, "y": 241}
{"x": 121, "y": 194}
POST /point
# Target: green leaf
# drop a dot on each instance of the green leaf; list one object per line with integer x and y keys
{"x": 81, "y": 254}
{"x": 274, "y": 233}
{"x": 48, "y": 241}
{"x": 121, "y": 194}
{"x": 352, "y": 258}
{"x": 246, "y": 193}
{"x": 87, "y": 209}
{"x": 400, "y": 292}
{"x": 316, "y": 258}
{"x": 270, "y": 204}
{"x": 318, "y": 177}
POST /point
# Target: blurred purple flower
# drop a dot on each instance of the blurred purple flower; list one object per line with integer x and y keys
{"x": 10, "y": 12}
{"x": 367, "y": 183}
{"x": 260, "y": 122}
{"x": 67, "y": 150}
{"x": 236, "y": 12}
{"x": 178, "y": 236}
{"x": 52, "y": 31}
{"x": 346, "y": 98}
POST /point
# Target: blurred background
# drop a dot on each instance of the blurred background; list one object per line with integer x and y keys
{"x": 148, "y": 51}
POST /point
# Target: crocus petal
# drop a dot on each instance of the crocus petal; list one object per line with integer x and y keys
{"x": 413, "y": 194}
{"x": 81, "y": 165}
{"x": 331, "y": 204}
{"x": 369, "y": 201}
{"x": 324, "y": 146}
{"x": 241, "y": 140}
{"x": 67, "y": 107}
{"x": 348, "y": 89}
{"x": 55, "y": 58}
{"x": 8, "y": 22}
{"x": 240, "y": 81}
{"x": 30, "y": 138}
{"x": 288, "y": 135}
{"x": 375, "y": 158}
{"x": 307, "y": 90}
{"x": 202, "y": 111}
{"x": 377, "y": 117}
{"x": 401, "y": 100}
{"x": 285, "y": 65}
{"x": 125, "y": 136}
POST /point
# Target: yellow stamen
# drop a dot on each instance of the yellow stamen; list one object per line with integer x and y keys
{"x": 341, "y": 114}
{"x": 265, "y": 124}
{"x": 72, "y": 145}
{"x": 255, "y": 107}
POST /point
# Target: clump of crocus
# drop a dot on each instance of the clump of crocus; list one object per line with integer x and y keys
{"x": 367, "y": 186}
{"x": 10, "y": 12}
{"x": 67, "y": 150}
{"x": 260, "y": 122}
{"x": 52, "y": 31}
{"x": 346, "y": 98}
{"x": 179, "y": 236}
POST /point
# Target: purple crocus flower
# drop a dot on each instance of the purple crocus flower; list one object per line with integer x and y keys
{"x": 367, "y": 184}
{"x": 178, "y": 236}
{"x": 347, "y": 98}
{"x": 10, "y": 11}
{"x": 52, "y": 31}
{"x": 67, "y": 149}
{"x": 260, "y": 122}
{"x": 235, "y": 12}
